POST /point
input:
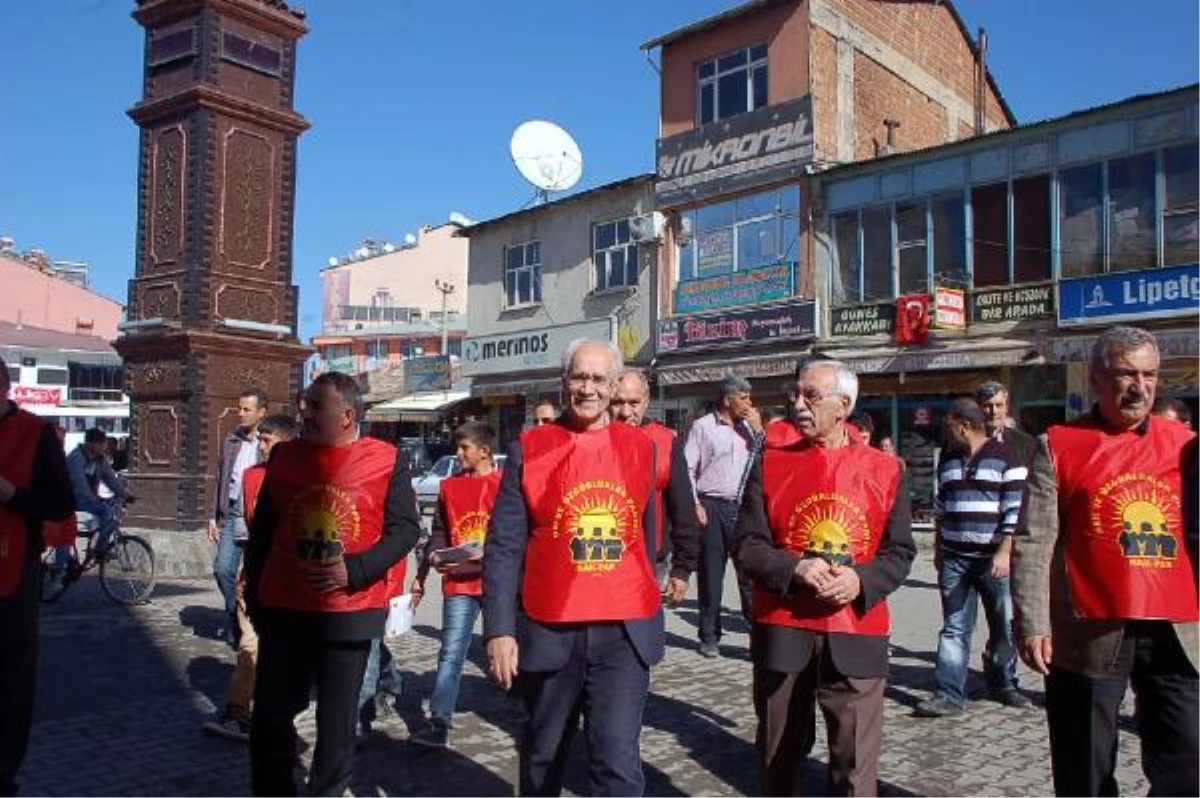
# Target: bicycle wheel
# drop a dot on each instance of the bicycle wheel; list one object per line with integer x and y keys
{"x": 127, "y": 571}
{"x": 54, "y": 579}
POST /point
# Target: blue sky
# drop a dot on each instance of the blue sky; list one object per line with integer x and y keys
{"x": 413, "y": 103}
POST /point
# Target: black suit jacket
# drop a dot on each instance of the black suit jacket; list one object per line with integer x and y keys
{"x": 781, "y": 648}
{"x": 542, "y": 647}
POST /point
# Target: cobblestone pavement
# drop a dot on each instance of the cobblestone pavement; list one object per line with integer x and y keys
{"x": 122, "y": 694}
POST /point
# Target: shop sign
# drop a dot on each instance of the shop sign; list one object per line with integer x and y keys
{"x": 427, "y": 374}
{"x": 935, "y": 360}
{"x": 1149, "y": 294}
{"x": 345, "y": 365}
{"x": 949, "y": 309}
{"x": 793, "y": 321}
{"x": 31, "y": 396}
{"x": 529, "y": 350}
{"x": 763, "y": 284}
{"x": 714, "y": 251}
{"x": 749, "y": 150}
{"x": 754, "y": 368}
{"x": 1012, "y": 304}
{"x": 863, "y": 320}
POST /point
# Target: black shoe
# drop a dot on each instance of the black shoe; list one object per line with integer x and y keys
{"x": 708, "y": 650}
{"x": 1012, "y": 697}
{"x": 435, "y": 735}
{"x": 229, "y": 727}
{"x": 938, "y": 707}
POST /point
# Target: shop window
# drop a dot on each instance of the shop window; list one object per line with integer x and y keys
{"x": 377, "y": 349}
{"x": 1031, "y": 229}
{"x": 454, "y": 347}
{"x": 56, "y": 376}
{"x": 732, "y": 84}
{"x": 846, "y": 287}
{"x": 912, "y": 249}
{"x": 95, "y": 382}
{"x": 877, "y": 254}
{"x": 949, "y": 219}
{"x": 523, "y": 274}
{"x": 1181, "y": 217}
{"x": 741, "y": 234}
{"x": 1132, "y": 238}
{"x": 1081, "y": 226}
{"x": 335, "y": 351}
{"x": 989, "y": 214}
{"x": 614, "y": 255}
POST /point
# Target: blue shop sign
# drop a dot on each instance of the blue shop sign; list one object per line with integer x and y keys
{"x": 1150, "y": 294}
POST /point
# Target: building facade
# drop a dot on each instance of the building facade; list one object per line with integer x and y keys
{"x": 1016, "y": 248}
{"x": 754, "y": 103}
{"x": 35, "y": 295}
{"x": 579, "y": 267}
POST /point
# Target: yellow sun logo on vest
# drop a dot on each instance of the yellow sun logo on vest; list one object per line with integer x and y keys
{"x": 600, "y": 522}
{"x": 1142, "y": 515}
{"x": 472, "y": 527}
{"x": 323, "y": 519}
{"x": 829, "y": 526}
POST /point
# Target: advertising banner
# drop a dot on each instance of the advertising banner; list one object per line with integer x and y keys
{"x": 529, "y": 350}
{"x": 427, "y": 374}
{"x": 1012, "y": 304}
{"x": 751, "y": 286}
{"x": 791, "y": 321}
{"x": 1149, "y": 294}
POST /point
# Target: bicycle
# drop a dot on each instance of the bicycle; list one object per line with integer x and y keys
{"x": 126, "y": 563}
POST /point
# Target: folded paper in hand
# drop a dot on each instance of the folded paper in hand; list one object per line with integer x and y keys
{"x": 467, "y": 551}
{"x": 400, "y": 616}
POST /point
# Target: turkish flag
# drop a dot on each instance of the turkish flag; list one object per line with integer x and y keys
{"x": 912, "y": 319}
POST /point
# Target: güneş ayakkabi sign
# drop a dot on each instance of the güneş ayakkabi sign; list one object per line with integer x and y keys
{"x": 1012, "y": 304}
{"x": 744, "y": 151}
{"x": 863, "y": 320}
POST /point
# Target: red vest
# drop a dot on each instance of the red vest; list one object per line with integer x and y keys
{"x": 323, "y": 496}
{"x": 252, "y": 482}
{"x": 468, "y": 502}
{"x": 782, "y": 433}
{"x": 586, "y": 492}
{"x": 1119, "y": 506}
{"x": 833, "y": 503}
{"x": 663, "y": 439}
{"x": 20, "y": 435}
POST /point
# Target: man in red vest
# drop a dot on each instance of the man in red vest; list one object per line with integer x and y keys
{"x": 1104, "y": 579}
{"x": 569, "y": 596}
{"x": 455, "y": 550}
{"x": 34, "y": 489}
{"x": 824, "y": 532}
{"x": 334, "y": 520}
{"x": 674, "y": 506}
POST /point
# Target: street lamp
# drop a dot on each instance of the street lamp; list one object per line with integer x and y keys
{"x": 447, "y": 289}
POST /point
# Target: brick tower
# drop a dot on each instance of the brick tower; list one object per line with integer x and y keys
{"x": 212, "y": 308}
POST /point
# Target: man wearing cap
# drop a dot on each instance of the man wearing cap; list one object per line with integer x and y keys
{"x": 992, "y": 398}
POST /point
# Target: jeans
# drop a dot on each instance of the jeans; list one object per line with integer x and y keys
{"x": 106, "y": 521}
{"x": 228, "y": 558}
{"x": 458, "y": 621}
{"x": 380, "y": 676}
{"x": 960, "y": 580}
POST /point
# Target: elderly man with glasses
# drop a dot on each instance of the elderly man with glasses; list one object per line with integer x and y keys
{"x": 824, "y": 533}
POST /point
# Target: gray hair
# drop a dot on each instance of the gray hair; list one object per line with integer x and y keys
{"x": 732, "y": 386}
{"x": 847, "y": 380}
{"x": 1117, "y": 340}
{"x": 988, "y": 390}
{"x": 578, "y": 343}
{"x": 639, "y": 375}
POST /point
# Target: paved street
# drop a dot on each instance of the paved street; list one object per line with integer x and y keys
{"x": 122, "y": 694}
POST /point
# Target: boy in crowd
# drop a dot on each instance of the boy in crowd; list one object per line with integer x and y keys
{"x": 463, "y": 512}
{"x": 234, "y": 722}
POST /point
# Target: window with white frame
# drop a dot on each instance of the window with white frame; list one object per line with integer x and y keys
{"x": 523, "y": 274}
{"x": 731, "y": 84}
{"x": 745, "y": 233}
{"x": 615, "y": 255}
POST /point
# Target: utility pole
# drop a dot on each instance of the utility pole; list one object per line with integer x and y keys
{"x": 447, "y": 289}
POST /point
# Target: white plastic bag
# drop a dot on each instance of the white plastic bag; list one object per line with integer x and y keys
{"x": 400, "y": 616}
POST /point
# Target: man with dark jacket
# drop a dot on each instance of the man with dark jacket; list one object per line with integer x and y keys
{"x": 227, "y": 527}
{"x": 34, "y": 488}
{"x": 335, "y": 519}
{"x": 824, "y": 532}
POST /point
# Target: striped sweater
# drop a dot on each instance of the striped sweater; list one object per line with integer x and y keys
{"x": 979, "y": 498}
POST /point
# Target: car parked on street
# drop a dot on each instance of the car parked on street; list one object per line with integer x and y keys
{"x": 428, "y": 484}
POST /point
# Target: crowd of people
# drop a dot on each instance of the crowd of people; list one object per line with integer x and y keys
{"x": 1081, "y": 544}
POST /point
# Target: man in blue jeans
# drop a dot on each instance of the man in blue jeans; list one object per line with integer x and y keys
{"x": 980, "y": 487}
{"x": 456, "y": 550}
{"x": 227, "y": 526}
{"x": 89, "y": 468}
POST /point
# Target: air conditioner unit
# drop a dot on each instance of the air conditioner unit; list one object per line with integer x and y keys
{"x": 647, "y": 227}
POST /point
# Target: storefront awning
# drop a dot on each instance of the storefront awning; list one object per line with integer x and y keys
{"x": 715, "y": 369}
{"x": 425, "y": 406}
{"x": 967, "y": 353}
{"x": 529, "y": 387}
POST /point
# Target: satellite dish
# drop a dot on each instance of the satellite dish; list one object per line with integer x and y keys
{"x": 546, "y": 156}
{"x": 389, "y": 247}
{"x": 410, "y": 239}
{"x": 334, "y": 261}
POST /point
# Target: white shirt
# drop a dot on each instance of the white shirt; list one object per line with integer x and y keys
{"x": 247, "y": 457}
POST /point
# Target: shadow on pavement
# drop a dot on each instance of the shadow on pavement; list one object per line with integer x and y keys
{"x": 400, "y": 768}
{"x": 210, "y": 675}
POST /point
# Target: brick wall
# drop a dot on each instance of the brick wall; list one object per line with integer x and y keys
{"x": 878, "y": 95}
{"x": 823, "y": 86}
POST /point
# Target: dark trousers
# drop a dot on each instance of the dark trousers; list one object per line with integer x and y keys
{"x": 286, "y": 670}
{"x": 18, "y": 671}
{"x": 716, "y": 546}
{"x": 1082, "y": 714}
{"x": 853, "y": 711}
{"x": 606, "y": 682}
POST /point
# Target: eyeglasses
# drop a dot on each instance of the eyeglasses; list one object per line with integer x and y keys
{"x": 580, "y": 380}
{"x": 811, "y": 396}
